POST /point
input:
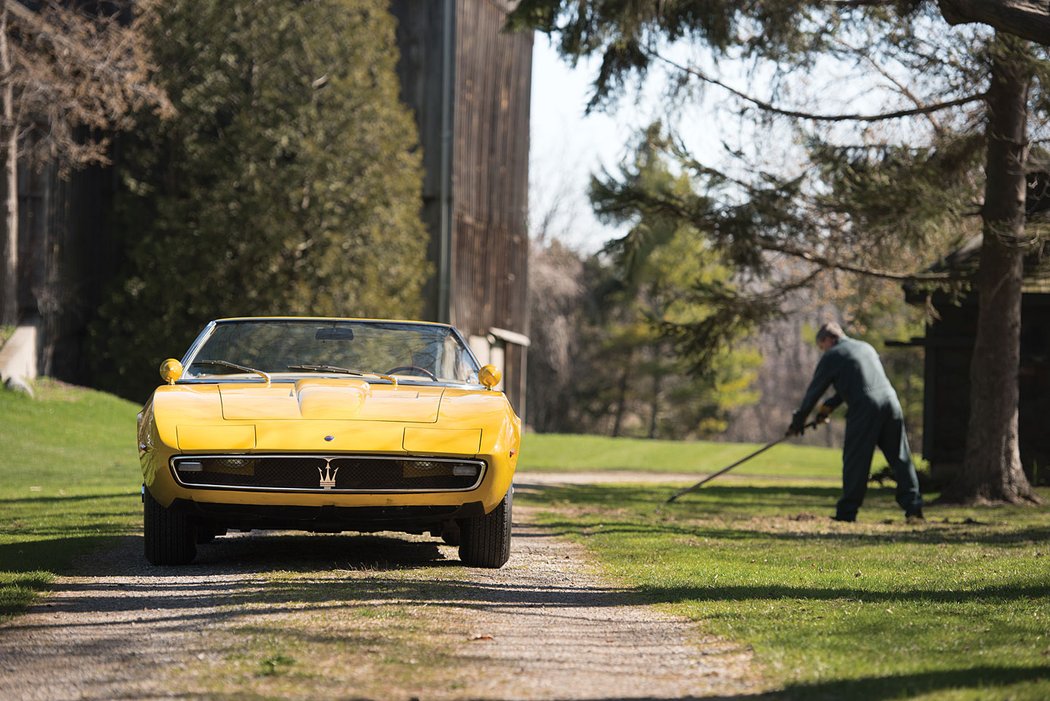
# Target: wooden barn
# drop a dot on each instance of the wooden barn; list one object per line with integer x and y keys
{"x": 948, "y": 347}
{"x": 469, "y": 85}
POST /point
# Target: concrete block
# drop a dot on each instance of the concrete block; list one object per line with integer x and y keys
{"x": 18, "y": 357}
{"x": 18, "y": 384}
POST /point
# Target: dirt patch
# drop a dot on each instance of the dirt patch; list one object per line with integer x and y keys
{"x": 292, "y": 616}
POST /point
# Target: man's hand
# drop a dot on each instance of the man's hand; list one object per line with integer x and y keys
{"x": 797, "y": 427}
{"x": 824, "y": 413}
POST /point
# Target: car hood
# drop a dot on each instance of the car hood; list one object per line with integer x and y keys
{"x": 327, "y": 399}
{"x": 328, "y": 414}
{"x": 313, "y": 399}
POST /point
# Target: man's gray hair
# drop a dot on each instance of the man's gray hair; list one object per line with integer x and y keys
{"x": 829, "y": 330}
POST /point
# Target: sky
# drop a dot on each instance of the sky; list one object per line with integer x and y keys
{"x": 568, "y": 146}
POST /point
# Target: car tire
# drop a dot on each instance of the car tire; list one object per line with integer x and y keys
{"x": 169, "y": 535}
{"x": 485, "y": 540}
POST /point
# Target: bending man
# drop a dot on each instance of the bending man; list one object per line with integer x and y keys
{"x": 874, "y": 419}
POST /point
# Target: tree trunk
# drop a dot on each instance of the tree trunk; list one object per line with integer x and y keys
{"x": 9, "y": 145}
{"x": 654, "y": 403}
{"x": 991, "y": 471}
{"x": 1028, "y": 19}
{"x": 621, "y": 400}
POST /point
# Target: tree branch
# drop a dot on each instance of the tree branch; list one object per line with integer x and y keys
{"x": 1027, "y": 19}
{"x": 903, "y": 89}
{"x": 709, "y": 222}
{"x": 121, "y": 74}
{"x": 810, "y": 116}
{"x": 851, "y": 4}
{"x": 774, "y": 246}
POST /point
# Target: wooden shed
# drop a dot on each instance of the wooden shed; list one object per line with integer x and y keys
{"x": 948, "y": 344}
{"x": 469, "y": 85}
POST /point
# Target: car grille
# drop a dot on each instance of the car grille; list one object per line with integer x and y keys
{"x": 327, "y": 474}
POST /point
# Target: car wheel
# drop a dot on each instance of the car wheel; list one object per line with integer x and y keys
{"x": 169, "y": 534}
{"x": 485, "y": 540}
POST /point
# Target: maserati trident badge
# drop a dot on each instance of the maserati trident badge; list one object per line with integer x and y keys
{"x": 327, "y": 475}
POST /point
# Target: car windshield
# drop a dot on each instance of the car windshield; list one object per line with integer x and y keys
{"x": 414, "y": 352}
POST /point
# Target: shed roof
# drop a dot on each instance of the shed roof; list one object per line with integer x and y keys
{"x": 966, "y": 258}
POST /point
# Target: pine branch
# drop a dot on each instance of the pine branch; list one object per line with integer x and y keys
{"x": 774, "y": 246}
{"x": 852, "y": 4}
{"x": 902, "y": 89}
{"x": 657, "y": 204}
{"x": 811, "y": 116}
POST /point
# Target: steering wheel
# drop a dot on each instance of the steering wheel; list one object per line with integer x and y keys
{"x": 413, "y": 370}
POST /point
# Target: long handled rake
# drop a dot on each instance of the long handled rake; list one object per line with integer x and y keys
{"x": 741, "y": 461}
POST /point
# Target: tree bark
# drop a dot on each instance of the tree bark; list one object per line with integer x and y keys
{"x": 621, "y": 401}
{"x": 1023, "y": 18}
{"x": 654, "y": 403}
{"x": 9, "y": 145}
{"x": 991, "y": 470}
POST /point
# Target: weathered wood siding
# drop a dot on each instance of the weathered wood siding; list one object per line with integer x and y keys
{"x": 949, "y": 347}
{"x": 420, "y": 40}
{"x": 490, "y": 171}
{"x": 65, "y": 259}
{"x": 469, "y": 86}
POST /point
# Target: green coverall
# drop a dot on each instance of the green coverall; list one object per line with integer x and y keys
{"x": 874, "y": 419}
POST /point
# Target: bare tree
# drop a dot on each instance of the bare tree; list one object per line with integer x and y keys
{"x": 69, "y": 77}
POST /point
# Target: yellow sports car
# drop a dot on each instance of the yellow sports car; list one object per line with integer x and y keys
{"x": 326, "y": 425}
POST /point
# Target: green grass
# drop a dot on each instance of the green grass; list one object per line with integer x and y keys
{"x": 69, "y": 482}
{"x": 5, "y": 333}
{"x": 542, "y": 452}
{"x": 956, "y": 609}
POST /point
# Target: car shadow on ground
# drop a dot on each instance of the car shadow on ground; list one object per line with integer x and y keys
{"x": 245, "y": 580}
{"x": 301, "y": 572}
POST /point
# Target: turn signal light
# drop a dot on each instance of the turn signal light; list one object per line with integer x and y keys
{"x": 170, "y": 370}
{"x": 489, "y": 376}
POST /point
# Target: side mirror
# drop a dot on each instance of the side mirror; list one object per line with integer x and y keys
{"x": 170, "y": 370}
{"x": 489, "y": 376}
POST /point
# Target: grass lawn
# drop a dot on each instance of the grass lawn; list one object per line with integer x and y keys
{"x": 544, "y": 452}
{"x": 956, "y": 609}
{"x": 69, "y": 480}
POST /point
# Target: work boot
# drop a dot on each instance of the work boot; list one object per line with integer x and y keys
{"x": 845, "y": 519}
{"x": 914, "y": 518}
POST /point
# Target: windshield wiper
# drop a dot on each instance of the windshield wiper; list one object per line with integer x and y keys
{"x": 343, "y": 371}
{"x": 234, "y": 366}
{"x": 328, "y": 368}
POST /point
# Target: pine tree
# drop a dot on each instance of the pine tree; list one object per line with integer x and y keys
{"x": 287, "y": 183}
{"x": 952, "y": 99}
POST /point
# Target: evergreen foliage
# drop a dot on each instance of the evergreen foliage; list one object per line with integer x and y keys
{"x": 623, "y": 376}
{"x": 287, "y": 183}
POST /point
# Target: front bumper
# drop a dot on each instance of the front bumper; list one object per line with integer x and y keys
{"x": 159, "y": 478}
{"x": 327, "y": 519}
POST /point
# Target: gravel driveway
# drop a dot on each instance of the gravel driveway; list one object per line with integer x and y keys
{"x": 315, "y": 617}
